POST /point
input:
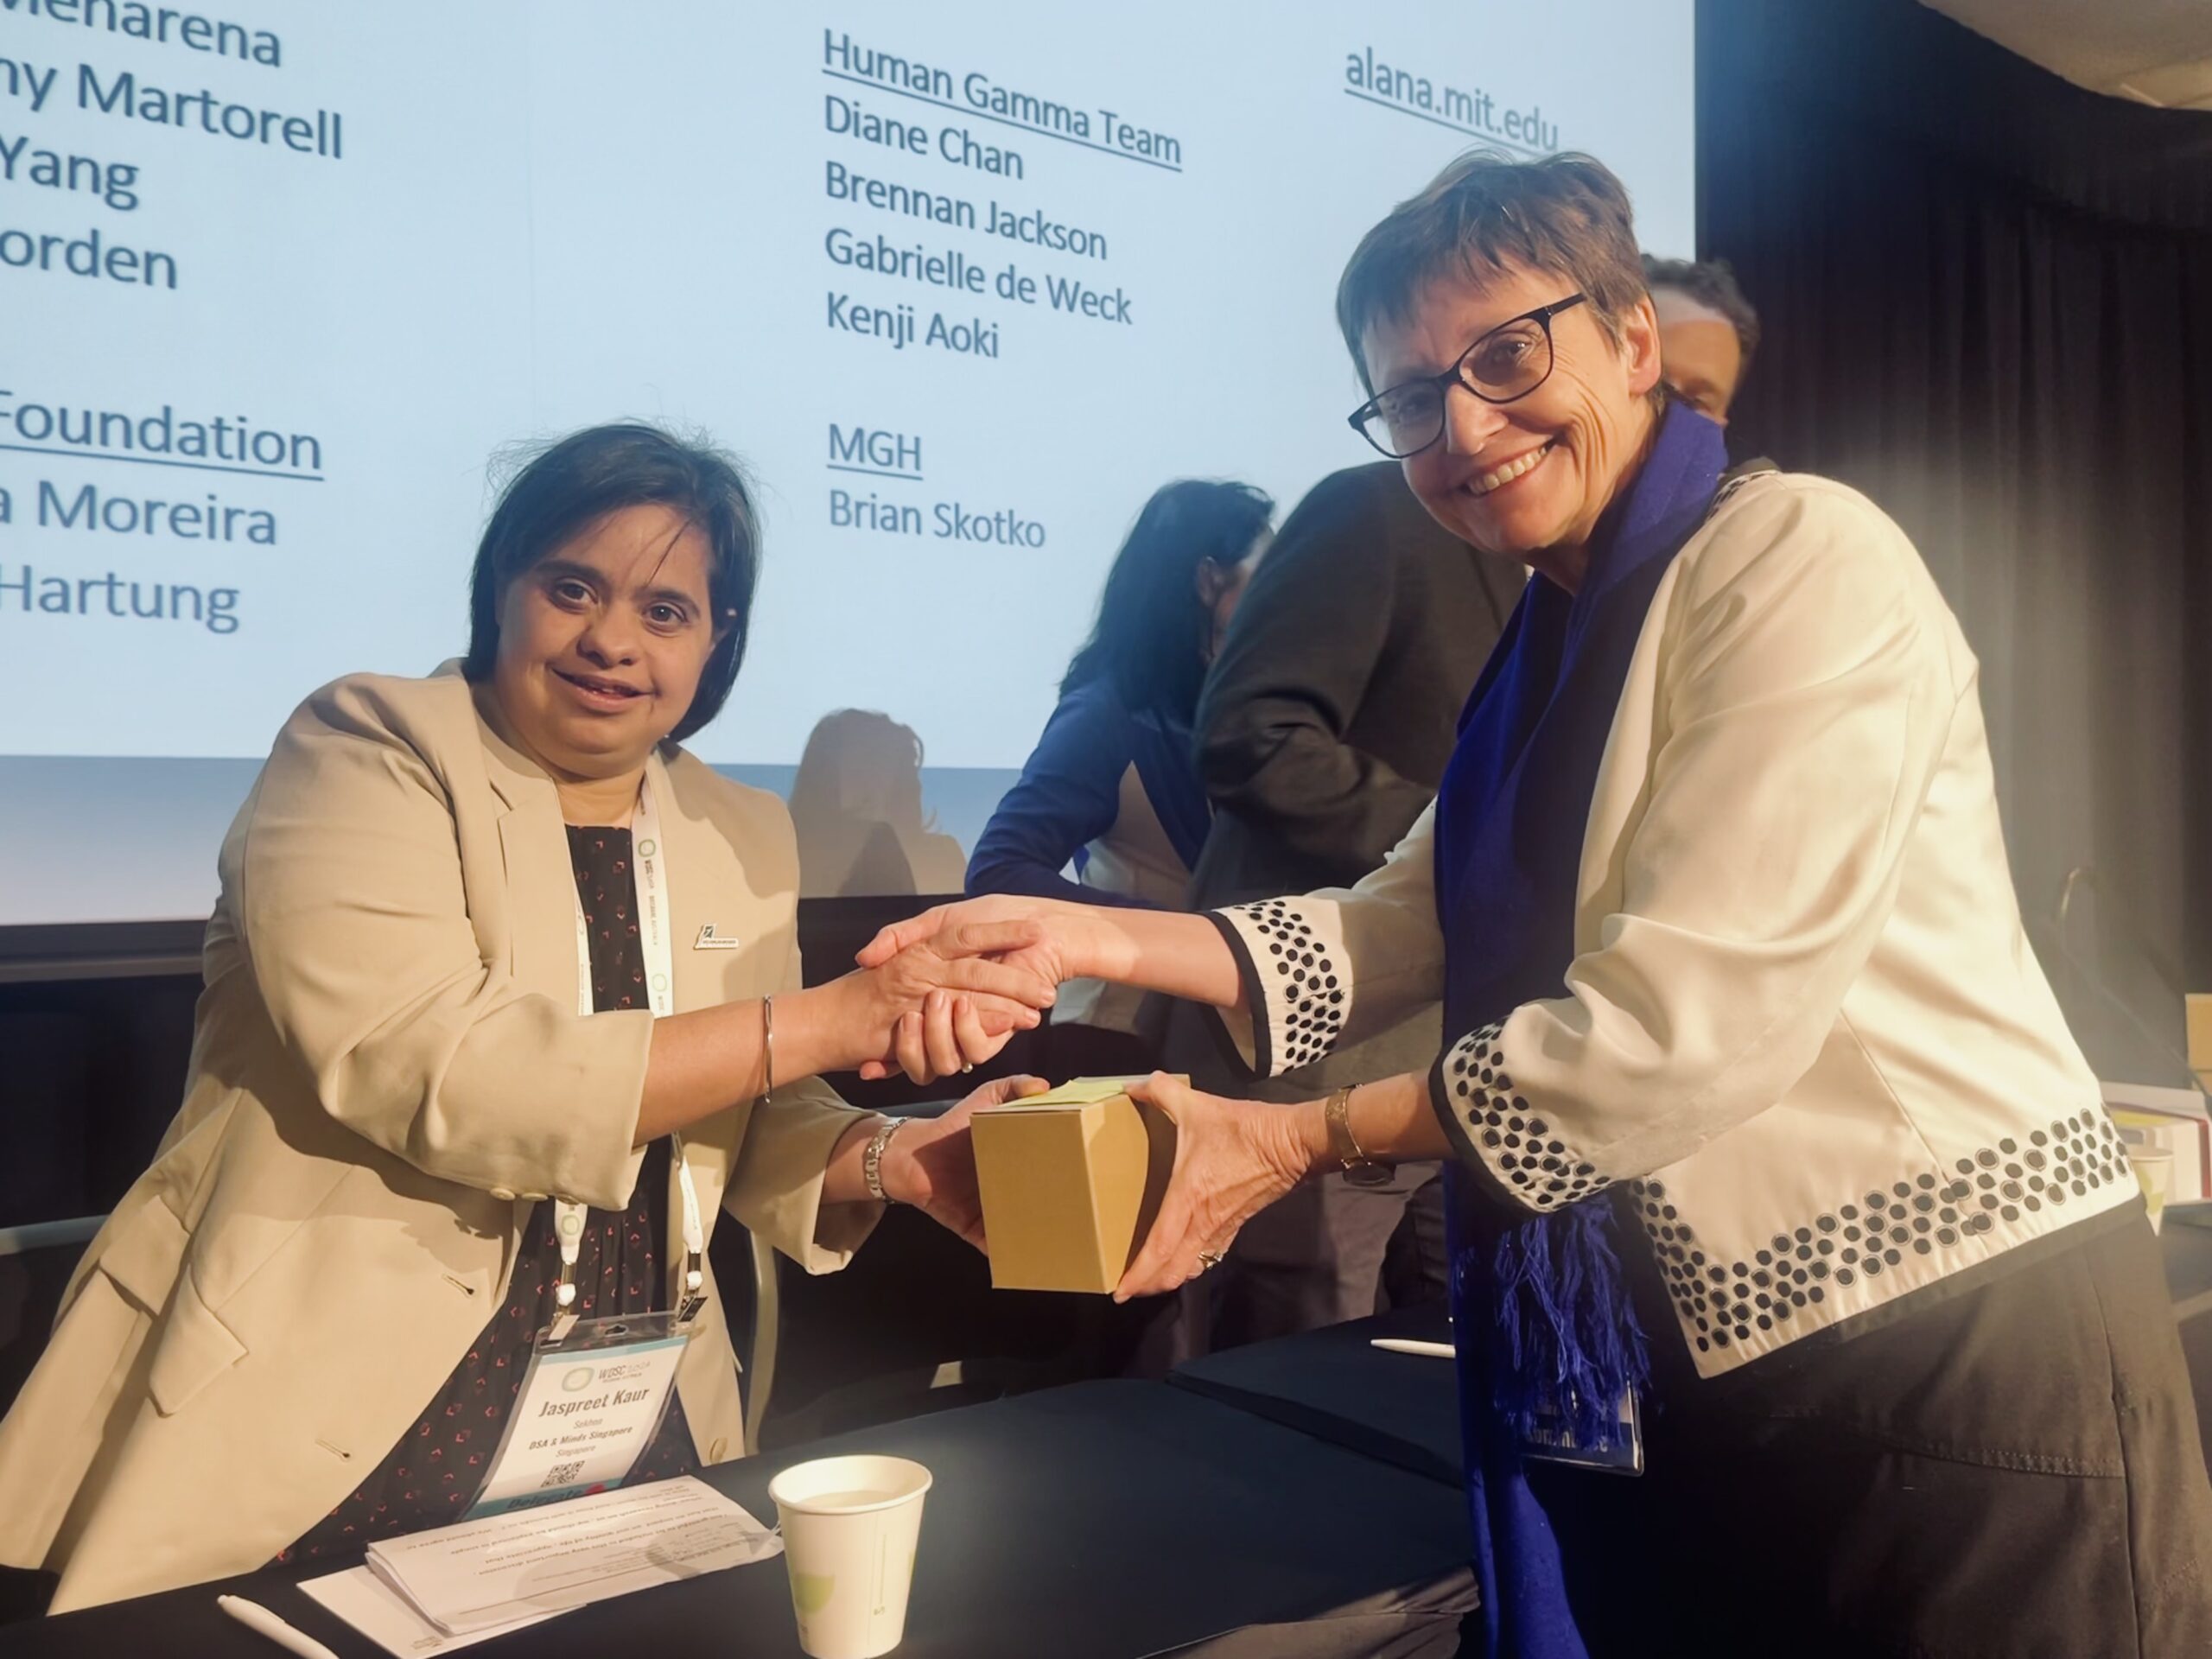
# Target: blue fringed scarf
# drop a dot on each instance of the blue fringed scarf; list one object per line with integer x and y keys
{"x": 1540, "y": 1308}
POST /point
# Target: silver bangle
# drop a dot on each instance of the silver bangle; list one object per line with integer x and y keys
{"x": 767, "y": 1046}
{"x": 872, "y": 1159}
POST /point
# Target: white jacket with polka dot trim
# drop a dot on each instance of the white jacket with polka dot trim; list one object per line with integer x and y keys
{"x": 1802, "y": 1018}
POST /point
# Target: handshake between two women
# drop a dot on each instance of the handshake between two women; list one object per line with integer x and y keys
{"x": 989, "y": 966}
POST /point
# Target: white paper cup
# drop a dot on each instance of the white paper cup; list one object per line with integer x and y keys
{"x": 850, "y": 1526}
{"x": 2154, "y": 1172}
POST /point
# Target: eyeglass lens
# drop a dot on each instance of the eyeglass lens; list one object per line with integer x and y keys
{"x": 1505, "y": 364}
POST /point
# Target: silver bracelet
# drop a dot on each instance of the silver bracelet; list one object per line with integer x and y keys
{"x": 767, "y": 1046}
{"x": 872, "y": 1159}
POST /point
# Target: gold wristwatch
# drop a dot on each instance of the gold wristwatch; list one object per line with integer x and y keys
{"x": 1359, "y": 1169}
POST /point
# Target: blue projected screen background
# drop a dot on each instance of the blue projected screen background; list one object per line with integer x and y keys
{"x": 962, "y": 283}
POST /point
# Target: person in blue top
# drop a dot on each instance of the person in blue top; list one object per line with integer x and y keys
{"x": 1112, "y": 787}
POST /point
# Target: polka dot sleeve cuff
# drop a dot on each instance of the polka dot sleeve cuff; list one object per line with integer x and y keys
{"x": 1497, "y": 1132}
{"x": 1296, "y": 987}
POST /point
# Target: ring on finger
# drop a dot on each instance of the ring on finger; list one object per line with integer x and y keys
{"x": 1208, "y": 1259}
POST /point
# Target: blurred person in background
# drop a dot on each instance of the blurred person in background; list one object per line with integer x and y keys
{"x": 1707, "y": 331}
{"x": 857, "y": 807}
{"x": 1112, "y": 787}
{"x": 1322, "y": 732}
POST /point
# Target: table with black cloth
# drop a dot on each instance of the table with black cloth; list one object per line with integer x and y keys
{"x": 1113, "y": 1519}
{"x": 1335, "y": 1385}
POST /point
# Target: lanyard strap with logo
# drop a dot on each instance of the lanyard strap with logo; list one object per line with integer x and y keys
{"x": 595, "y": 1391}
{"x": 650, "y": 861}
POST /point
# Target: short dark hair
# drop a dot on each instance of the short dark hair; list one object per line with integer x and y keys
{"x": 1487, "y": 210}
{"x": 1712, "y": 283}
{"x": 566, "y": 486}
{"x": 1153, "y": 627}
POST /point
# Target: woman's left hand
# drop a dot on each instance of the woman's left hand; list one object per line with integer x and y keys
{"x": 952, "y": 1032}
{"x": 1233, "y": 1158}
{"x": 931, "y": 1163}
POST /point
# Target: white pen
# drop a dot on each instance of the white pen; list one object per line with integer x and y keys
{"x": 1409, "y": 1345}
{"x": 255, "y": 1616}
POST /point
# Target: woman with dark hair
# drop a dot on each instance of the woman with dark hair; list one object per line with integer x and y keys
{"x": 1111, "y": 785}
{"x": 503, "y": 1004}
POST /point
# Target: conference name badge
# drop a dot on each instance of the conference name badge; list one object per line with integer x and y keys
{"x": 592, "y": 1400}
{"x": 1552, "y": 1442}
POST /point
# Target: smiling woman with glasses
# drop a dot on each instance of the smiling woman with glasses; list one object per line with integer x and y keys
{"x": 1779, "y": 1183}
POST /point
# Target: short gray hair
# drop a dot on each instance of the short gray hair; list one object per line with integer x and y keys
{"x": 1485, "y": 212}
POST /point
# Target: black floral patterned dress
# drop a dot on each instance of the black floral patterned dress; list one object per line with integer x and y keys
{"x": 431, "y": 1476}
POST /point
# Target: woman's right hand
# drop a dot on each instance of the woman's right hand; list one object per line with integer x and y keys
{"x": 950, "y": 1033}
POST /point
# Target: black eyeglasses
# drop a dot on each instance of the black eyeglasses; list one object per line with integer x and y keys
{"x": 1510, "y": 361}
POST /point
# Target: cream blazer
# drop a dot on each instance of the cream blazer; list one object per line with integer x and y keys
{"x": 388, "y": 1071}
{"x": 1802, "y": 1024}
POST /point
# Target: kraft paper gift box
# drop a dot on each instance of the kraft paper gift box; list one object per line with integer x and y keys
{"x": 1070, "y": 1180}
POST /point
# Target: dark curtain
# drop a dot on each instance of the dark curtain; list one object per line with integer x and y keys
{"x": 1988, "y": 303}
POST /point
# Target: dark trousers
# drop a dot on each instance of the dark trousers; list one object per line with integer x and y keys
{"x": 2014, "y": 1473}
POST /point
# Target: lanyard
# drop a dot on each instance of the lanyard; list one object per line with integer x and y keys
{"x": 651, "y": 860}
